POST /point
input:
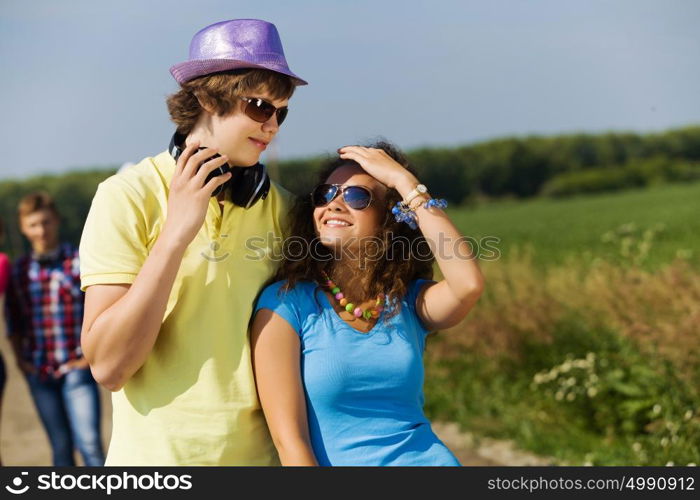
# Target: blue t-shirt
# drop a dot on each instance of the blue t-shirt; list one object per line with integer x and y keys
{"x": 364, "y": 391}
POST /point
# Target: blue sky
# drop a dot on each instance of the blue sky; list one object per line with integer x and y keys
{"x": 84, "y": 82}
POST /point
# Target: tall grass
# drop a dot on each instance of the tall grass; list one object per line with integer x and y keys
{"x": 591, "y": 360}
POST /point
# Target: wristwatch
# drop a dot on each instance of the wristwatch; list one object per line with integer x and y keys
{"x": 419, "y": 190}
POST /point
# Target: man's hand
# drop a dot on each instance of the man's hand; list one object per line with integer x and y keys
{"x": 189, "y": 195}
{"x": 73, "y": 364}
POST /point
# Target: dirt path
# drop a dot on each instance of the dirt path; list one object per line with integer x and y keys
{"x": 472, "y": 450}
{"x": 23, "y": 440}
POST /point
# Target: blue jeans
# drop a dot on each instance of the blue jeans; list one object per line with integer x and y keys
{"x": 69, "y": 408}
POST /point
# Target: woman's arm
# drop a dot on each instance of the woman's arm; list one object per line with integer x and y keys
{"x": 446, "y": 303}
{"x": 276, "y": 363}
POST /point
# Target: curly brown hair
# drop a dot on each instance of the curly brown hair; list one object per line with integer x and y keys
{"x": 220, "y": 90}
{"x": 387, "y": 269}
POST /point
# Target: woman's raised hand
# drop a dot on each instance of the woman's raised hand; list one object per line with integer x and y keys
{"x": 378, "y": 164}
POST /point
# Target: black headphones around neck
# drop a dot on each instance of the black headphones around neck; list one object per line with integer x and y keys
{"x": 246, "y": 186}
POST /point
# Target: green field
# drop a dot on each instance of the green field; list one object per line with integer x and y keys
{"x": 633, "y": 315}
{"x": 557, "y": 230}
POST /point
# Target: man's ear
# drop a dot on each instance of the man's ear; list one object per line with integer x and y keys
{"x": 206, "y": 103}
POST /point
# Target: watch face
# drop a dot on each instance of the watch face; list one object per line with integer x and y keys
{"x": 421, "y": 188}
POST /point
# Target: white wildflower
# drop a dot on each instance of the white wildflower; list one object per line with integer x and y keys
{"x": 684, "y": 253}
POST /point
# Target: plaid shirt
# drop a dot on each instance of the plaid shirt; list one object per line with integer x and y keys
{"x": 45, "y": 308}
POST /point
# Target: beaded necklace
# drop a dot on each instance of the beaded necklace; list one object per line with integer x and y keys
{"x": 374, "y": 312}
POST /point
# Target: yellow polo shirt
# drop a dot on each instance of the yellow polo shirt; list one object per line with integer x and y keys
{"x": 193, "y": 402}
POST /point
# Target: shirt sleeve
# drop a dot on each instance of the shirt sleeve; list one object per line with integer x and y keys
{"x": 4, "y": 272}
{"x": 282, "y": 303}
{"x": 114, "y": 243}
{"x": 413, "y": 290}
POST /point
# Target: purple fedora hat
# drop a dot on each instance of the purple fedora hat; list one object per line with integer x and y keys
{"x": 234, "y": 44}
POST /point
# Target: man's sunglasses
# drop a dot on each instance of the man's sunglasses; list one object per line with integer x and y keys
{"x": 260, "y": 110}
{"x": 356, "y": 197}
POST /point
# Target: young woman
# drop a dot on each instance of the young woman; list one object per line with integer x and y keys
{"x": 355, "y": 310}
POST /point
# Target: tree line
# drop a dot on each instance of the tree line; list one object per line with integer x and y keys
{"x": 520, "y": 167}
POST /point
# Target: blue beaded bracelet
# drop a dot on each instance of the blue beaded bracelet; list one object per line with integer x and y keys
{"x": 438, "y": 203}
{"x": 402, "y": 213}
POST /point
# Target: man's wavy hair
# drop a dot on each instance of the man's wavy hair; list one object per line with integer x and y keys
{"x": 404, "y": 253}
{"x": 36, "y": 202}
{"x": 221, "y": 91}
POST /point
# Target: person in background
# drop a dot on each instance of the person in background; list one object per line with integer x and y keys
{"x": 45, "y": 313}
{"x": 4, "y": 277}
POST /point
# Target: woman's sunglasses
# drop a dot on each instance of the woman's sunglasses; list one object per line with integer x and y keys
{"x": 260, "y": 110}
{"x": 356, "y": 197}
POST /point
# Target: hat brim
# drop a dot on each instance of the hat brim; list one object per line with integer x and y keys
{"x": 188, "y": 70}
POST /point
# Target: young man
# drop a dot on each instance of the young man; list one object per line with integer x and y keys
{"x": 45, "y": 313}
{"x": 169, "y": 280}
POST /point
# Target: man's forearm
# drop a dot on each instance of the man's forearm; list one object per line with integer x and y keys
{"x": 120, "y": 339}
